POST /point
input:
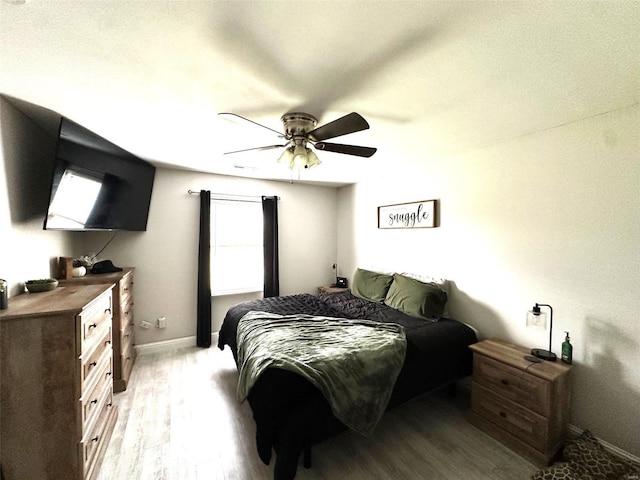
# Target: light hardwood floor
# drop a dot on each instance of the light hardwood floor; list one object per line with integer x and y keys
{"x": 179, "y": 420}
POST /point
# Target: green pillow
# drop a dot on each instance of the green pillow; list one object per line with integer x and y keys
{"x": 370, "y": 285}
{"x": 416, "y": 298}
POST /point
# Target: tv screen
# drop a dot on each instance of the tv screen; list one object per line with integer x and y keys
{"x": 97, "y": 185}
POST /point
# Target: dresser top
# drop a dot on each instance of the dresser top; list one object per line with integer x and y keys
{"x": 513, "y": 355}
{"x": 89, "y": 278}
{"x": 72, "y": 298}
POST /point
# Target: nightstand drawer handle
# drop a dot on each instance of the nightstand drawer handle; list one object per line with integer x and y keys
{"x": 107, "y": 310}
{"x": 93, "y": 364}
{"x": 503, "y": 415}
{"x": 94, "y": 401}
{"x": 94, "y": 439}
{"x": 93, "y": 325}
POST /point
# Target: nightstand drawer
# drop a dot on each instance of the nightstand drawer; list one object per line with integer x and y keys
{"x": 516, "y": 385}
{"x": 526, "y": 425}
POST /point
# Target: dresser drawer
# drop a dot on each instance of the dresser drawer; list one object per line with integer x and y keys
{"x": 126, "y": 335}
{"x": 126, "y": 315}
{"x": 127, "y": 359}
{"x": 521, "y": 422}
{"x": 92, "y": 362}
{"x": 90, "y": 402}
{"x": 516, "y": 385}
{"x": 126, "y": 289}
{"x": 94, "y": 437}
{"x": 93, "y": 321}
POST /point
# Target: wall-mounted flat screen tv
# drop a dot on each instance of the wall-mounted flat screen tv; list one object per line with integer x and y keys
{"x": 97, "y": 185}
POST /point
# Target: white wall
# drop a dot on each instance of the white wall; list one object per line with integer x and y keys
{"x": 26, "y": 164}
{"x": 165, "y": 256}
{"x": 552, "y": 217}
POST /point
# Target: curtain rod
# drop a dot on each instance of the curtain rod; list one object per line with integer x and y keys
{"x": 230, "y": 196}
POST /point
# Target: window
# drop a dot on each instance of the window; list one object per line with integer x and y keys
{"x": 237, "y": 262}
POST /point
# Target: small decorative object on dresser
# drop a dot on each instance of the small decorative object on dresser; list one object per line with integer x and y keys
{"x": 523, "y": 404}
{"x": 41, "y": 285}
{"x": 56, "y": 394}
{"x": 124, "y": 353}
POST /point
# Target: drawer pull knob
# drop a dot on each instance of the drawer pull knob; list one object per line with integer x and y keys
{"x": 108, "y": 342}
{"x": 93, "y": 364}
{"x": 505, "y": 382}
{"x": 107, "y": 374}
{"x": 503, "y": 415}
{"x": 93, "y": 325}
{"x": 107, "y": 310}
{"x": 94, "y": 439}
{"x": 94, "y": 401}
{"x": 109, "y": 404}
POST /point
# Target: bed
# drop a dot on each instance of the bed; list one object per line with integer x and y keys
{"x": 292, "y": 414}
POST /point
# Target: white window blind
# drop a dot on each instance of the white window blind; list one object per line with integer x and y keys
{"x": 237, "y": 262}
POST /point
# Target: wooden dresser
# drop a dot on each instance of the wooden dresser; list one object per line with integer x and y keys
{"x": 124, "y": 353}
{"x": 56, "y": 393}
{"x": 524, "y": 405}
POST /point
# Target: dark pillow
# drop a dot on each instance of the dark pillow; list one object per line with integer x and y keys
{"x": 370, "y": 285}
{"x": 416, "y": 298}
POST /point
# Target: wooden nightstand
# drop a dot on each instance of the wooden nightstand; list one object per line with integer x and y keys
{"x": 522, "y": 404}
{"x": 332, "y": 289}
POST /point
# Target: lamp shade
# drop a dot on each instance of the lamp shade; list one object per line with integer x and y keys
{"x": 312, "y": 159}
{"x": 300, "y": 157}
{"x": 287, "y": 158}
{"x": 536, "y": 318}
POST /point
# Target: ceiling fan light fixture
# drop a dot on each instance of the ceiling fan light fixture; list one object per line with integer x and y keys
{"x": 300, "y": 157}
{"x": 312, "y": 159}
{"x": 286, "y": 158}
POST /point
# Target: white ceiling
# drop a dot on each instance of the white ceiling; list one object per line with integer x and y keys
{"x": 432, "y": 78}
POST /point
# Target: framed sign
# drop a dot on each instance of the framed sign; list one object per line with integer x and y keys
{"x": 408, "y": 215}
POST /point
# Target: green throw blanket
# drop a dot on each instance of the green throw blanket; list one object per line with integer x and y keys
{"x": 354, "y": 363}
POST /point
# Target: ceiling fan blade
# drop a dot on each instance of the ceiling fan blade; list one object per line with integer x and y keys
{"x": 251, "y": 121}
{"x": 267, "y": 147}
{"x": 350, "y": 123}
{"x": 348, "y": 149}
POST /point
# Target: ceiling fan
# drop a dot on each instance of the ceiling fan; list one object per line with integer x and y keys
{"x": 300, "y": 131}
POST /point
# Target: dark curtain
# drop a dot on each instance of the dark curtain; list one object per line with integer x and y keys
{"x": 271, "y": 271}
{"x": 203, "y": 336}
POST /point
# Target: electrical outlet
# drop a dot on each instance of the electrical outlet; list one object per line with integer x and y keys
{"x": 162, "y": 322}
{"x": 144, "y": 324}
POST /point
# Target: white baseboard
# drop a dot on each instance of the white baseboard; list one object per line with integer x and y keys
{"x": 618, "y": 452}
{"x": 174, "y": 344}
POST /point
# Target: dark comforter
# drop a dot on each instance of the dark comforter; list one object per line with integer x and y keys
{"x": 291, "y": 414}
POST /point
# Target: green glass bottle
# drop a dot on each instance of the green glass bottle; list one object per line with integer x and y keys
{"x": 567, "y": 350}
